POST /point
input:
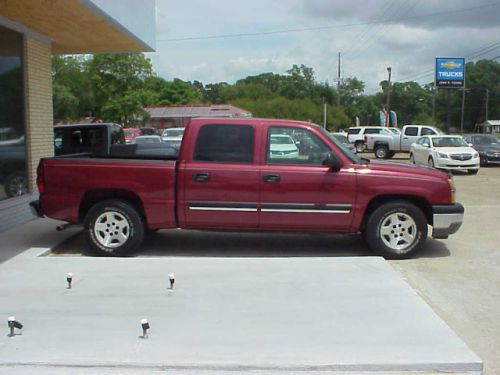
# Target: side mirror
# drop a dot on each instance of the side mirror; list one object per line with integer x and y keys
{"x": 333, "y": 162}
{"x": 470, "y": 144}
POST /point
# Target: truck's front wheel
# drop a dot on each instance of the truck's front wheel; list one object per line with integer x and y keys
{"x": 114, "y": 228}
{"x": 396, "y": 230}
{"x": 381, "y": 152}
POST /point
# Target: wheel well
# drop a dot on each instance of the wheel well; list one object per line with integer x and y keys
{"x": 94, "y": 196}
{"x": 382, "y": 199}
{"x": 381, "y": 144}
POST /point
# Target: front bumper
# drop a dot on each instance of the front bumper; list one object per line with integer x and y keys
{"x": 457, "y": 165}
{"x": 447, "y": 219}
{"x": 36, "y": 209}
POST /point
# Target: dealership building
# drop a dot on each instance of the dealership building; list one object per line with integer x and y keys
{"x": 31, "y": 31}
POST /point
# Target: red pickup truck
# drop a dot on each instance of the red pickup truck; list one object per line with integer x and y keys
{"x": 249, "y": 175}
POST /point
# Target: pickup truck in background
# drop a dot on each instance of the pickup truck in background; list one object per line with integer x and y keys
{"x": 386, "y": 144}
{"x": 228, "y": 175}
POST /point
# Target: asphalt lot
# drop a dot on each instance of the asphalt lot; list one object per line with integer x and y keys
{"x": 459, "y": 277}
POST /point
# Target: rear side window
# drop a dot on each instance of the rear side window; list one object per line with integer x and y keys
{"x": 353, "y": 131}
{"x": 225, "y": 144}
{"x": 411, "y": 130}
{"x": 372, "y": 131}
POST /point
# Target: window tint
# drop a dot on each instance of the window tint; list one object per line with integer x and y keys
{"x": 411, "y": 131}
{"x": 295, "y": 146}
{"x": 372, "y": 131}
{"x": 353, "y": 131}
{"x": 225, "y": 144}
{"x": 428, "y": 131}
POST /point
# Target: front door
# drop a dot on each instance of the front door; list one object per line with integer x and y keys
{"x": 297, "y": 191}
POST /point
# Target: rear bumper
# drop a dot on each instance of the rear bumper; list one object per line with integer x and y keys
{"x": 447, "y": 219}
{"x": 36, "y": 209}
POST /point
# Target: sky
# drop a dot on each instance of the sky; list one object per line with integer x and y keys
{"x": 226, "y": 40}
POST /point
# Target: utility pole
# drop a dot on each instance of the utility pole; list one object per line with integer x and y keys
{"x": 338, "y": 82}
{"x": 487, "y": 103}
{"x": 388, "y": 105}
{"x": 324, "y": 112}
{"x": 462, "y": 114}
{"x": 434, "y": 91}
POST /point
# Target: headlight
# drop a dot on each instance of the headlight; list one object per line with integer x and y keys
{"x": 443, "y": 156}
{"x": 475, "y": 155}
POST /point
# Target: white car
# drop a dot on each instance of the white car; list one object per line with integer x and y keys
{"x": 448, "y": 152}
{"x": 282, "y": 146}
{"x": 149, "y": 139}
{"x": 172, "y": 134}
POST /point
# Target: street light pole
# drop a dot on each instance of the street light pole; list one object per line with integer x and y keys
{"x": 388, "y": 105}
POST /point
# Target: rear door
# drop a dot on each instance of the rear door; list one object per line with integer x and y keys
{"x": 297, "y": 191}
{"x": 220, "y": 180}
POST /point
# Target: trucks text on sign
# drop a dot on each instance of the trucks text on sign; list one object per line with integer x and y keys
{"x": 450, "y": 72}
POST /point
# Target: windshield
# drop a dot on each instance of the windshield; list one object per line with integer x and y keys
{"x": 173, "y": 133}
{"x": 347, "y": 153}
{"x": 487, "y": 140}
{"x": 341, "y": 138}
{"x": 449, "y": 142}
{"x": 281, "y": 140}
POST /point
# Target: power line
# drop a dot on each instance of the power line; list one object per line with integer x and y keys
{"x": 276, "y": 32}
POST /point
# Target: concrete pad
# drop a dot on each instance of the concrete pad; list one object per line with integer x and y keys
{"x": 267, "y": 315}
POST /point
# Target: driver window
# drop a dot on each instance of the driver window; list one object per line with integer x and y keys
{"x": 295, "y": 146}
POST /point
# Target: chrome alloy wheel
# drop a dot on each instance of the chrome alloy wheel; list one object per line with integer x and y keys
{"x": 398, "y": 231}
{"x": 111, "y": 229}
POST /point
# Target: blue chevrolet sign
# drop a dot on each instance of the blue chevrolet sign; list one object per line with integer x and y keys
{"x": 450, "y": 72}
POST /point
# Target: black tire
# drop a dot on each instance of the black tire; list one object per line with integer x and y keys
{"x": 360, "y": 147}
{"x": 430, "y": 162}
{"x": 399, "y": 222}
{"x": 16, "y": 184}
{"x": 120, "y": 222}
{"x": 381, "y": 152}
{"x": 472, "y": 171}
{"x": 391, "y": 154}
{"x": 412, "y": 159}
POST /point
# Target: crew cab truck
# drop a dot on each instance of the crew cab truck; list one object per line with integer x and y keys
{"x": 226, "y": 177}
{"x": 386, "y": 144}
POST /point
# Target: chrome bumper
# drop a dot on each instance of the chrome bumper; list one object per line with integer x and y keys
{"x": 446, "y": 219}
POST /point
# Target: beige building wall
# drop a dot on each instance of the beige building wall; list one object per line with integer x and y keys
{"x": 38, "y": 104}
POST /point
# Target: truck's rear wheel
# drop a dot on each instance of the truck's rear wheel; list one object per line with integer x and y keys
{"x": 381, "y": 152}
{"x": 396, "y": 230}
{"x": 360, "y": 147}
{"x": 114, "y": 228}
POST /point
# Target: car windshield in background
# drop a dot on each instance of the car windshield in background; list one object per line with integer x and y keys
{"x": 449, "y": 142}
{"x": 173, "y": 133}
{"x": 348, "y": 154}
{"x": 341, "y": 138}
{"x": 487, "y": 140}
{"x": 147, "y": 139}
{"x": 281, "y": 140}
{"x": 395, "y": 131}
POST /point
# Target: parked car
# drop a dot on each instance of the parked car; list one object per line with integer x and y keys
{"x": 282, "y": 146}
{"x": 448, "y": 152}
{"x": 357, "y": 135}
{"x": 148, "y": 131}
{"x": 131, "y": 134}
{"x": 147, "y": 139}
{"x": 488, "y": 147}
{"x": 173, "y": 137}
{"x": 222, "y": 179}
{"x": 342, "y": 138}
{"x": 13, "y": 167}
{"x": 386, "y": 144}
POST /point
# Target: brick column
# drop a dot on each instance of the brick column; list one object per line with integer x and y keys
{"x": 38, "y": 104}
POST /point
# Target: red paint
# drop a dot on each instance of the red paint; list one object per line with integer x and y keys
{"x": 164, "y": 189}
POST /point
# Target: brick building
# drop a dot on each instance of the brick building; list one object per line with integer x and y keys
{"x": 31, "y": 31}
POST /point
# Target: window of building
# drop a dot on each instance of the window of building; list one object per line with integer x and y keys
{"x": 225, "y": 144}
{"x": 13, "y": 178}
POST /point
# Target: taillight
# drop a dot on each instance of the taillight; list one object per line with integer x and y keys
{"x": 366, "y": 139}
{"x": 40, "y": 183}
